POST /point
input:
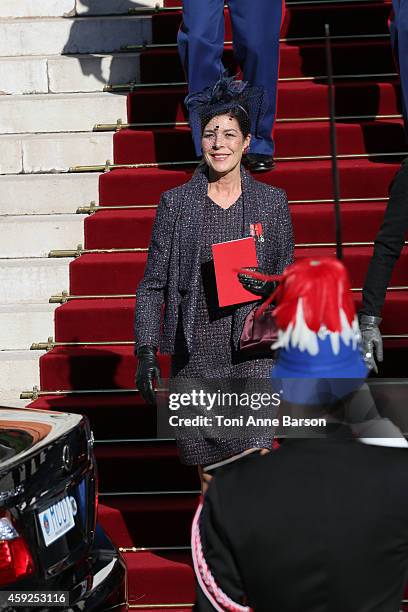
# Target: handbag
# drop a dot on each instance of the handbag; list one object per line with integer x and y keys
{"x": 259, "y": 332}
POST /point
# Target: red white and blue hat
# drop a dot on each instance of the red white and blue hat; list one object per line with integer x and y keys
{"x": 318, "y": 332}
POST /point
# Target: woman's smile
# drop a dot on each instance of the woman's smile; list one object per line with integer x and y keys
{"x": 220, "y": 156}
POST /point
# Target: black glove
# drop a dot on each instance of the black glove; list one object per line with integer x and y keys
{"x": 147, "y": 370}
{"x": 256, "y": 286}
{"x": 371, "y": 340}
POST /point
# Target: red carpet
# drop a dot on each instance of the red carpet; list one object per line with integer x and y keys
{"x": 296, "y": 99}
{"x": 119, "y": 273}
{"x": 102, "y": 320}
{"x": 132, "y": 228}
{"x": 292, "y": 139}
{"x": 300, "y": 21}
{"x": 171, "y": 569}
{"x": 296, "y": 60}
{"x": 147, "y": 496}
{"x": 360, "y": 178}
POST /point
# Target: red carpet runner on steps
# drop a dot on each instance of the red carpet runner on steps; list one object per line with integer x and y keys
{"x": 147, "y": 496}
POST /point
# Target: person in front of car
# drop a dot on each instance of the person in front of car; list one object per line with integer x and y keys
{"x": 221, "y": 202}
{"x": 319, "y": 525}
{"x": 256, "y": 28}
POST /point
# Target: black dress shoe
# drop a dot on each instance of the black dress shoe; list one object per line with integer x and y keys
{"x": 256, "y": 162}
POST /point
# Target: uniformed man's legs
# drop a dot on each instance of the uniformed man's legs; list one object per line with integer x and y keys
{"x": 256, "y": 30}
{"x": 388, "y": 245}
{"x": 389, "y": 241}
{"x": 201, "y": 44}
{"x": 399, "y": 37}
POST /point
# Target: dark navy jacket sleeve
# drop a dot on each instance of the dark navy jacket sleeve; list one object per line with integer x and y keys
{"x": 151, "y": 291}
{"x": 218, "y": 554}
{"x": 388, "y": 245}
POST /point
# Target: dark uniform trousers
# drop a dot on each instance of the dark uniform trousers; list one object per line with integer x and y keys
{"x": 388, "y": 245}
{"x": 399, "y": 37}
{"x": 390, "y": 239}
{"x": 256, "y": 26}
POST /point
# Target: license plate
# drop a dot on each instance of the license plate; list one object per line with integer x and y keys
{"x": 57, "y": 519}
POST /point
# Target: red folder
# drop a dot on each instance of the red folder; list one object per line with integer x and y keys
{"x": 229, "y": 257}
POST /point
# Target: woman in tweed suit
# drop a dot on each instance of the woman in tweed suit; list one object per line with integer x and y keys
{"x": 221, "y": 202}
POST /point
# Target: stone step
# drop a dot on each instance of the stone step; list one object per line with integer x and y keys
{"x": 108, "y": 7}
{"x": 66, "y": 73}
{"x": 59, "y": 112}
{"x": 61, "y": 8}
{"x": 56, "y": 35}
{"x": 19, "y": 371}
{"x": 41, "y": 153}
{"x": 13, "y": 400}
{"x": 37, "y": 235}
{"x": 32, "y": 194}
{"x": 32, "y": 279}
{"x": 34, "y": 8}
{"x": 21, "y": 324}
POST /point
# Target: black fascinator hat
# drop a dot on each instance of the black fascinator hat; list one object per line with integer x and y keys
{"x": 226, "y": 96}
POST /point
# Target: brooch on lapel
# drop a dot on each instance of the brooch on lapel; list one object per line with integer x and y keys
{"x": 256, "y": 231}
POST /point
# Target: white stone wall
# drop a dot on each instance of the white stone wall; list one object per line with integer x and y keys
{"x": 42, "y": 194}
{"x": 59, "y": 8}
{"x": 56, "y": 56}
{"x": 67, "y": 74}
{"x": 53, "y": 35}
{"x": 47, "y": 113}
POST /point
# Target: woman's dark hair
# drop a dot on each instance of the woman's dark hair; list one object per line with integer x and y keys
{"x": 238, "y": 112}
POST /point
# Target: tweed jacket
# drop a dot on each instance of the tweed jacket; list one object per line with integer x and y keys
{"x": 172, "y": 273}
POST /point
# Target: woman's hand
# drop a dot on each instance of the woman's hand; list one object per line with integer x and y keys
{"x": 147, "y": 370}
{"x": 255, "y": 285}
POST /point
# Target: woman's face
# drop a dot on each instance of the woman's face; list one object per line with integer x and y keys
{"x": 223, "y": 144}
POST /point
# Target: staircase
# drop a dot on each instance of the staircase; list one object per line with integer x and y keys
{"x": 55, "y": 59}
{"x": 148, "y": 497}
